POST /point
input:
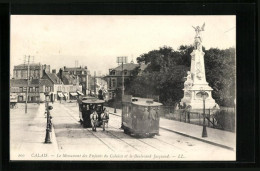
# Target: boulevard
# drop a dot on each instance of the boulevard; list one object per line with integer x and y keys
{"x": 70, "y": 141}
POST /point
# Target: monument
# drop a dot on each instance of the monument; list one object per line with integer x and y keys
{"x": 196, "y": 84}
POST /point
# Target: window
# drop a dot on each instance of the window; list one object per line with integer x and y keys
{"x": 113, "y": 72}
{"x": 125, "y": 72}
{"x": 37, "y": 89}
{"x": 30, "y": 89}
{"x": 83, "y": 79}
{"x": 20, "y": 89}
{"x": 18, "y": 73}
{"x": 113, "y": 83}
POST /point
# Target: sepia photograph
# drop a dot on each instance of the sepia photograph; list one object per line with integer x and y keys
{"x": 123, "y": 88}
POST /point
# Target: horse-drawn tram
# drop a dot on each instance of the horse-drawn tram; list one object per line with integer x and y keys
{"x": 86, "y": 108}
{"x": 140, "y": 117}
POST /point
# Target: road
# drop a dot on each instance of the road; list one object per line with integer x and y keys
{"x": 72, "y": 139}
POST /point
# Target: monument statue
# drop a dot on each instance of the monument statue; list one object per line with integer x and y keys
{"x": 196, "y": 77}
{"x": 198, "y": 39}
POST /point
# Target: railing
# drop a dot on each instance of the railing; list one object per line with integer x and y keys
{"x": 215, "y": 118}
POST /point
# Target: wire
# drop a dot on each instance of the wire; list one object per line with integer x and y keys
{"x": 229, "y": 29}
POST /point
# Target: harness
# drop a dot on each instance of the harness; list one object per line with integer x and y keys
{"x": 105, "y": 116}
{"x": 94, "y": 117}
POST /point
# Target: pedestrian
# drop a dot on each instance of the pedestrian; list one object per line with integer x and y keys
{"x": 105, "y": 118}
{"x": 94, "y": 120}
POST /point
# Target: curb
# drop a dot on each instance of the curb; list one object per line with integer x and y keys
{"x": 186, "y": 135}
{"x": 203, "y": 140}
{"x": 54, "y": 140}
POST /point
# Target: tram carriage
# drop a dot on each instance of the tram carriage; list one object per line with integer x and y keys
{"x": 86, "y": 107}
{"x": 140, "y": 117}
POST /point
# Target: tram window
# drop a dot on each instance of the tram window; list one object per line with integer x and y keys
{"x": 87, "y": 107}
{"x": 84, "y": 106}
{"x": 130, "y": 111}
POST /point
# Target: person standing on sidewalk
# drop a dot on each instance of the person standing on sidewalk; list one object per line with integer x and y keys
{"x": 94, "y": 120}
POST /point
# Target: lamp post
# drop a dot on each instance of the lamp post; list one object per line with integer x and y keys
{"x": 204, "y": 95}
{"x": 49, "y": 125}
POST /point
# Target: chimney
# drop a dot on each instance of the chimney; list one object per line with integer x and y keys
{"x": 54, "y": 71}
{"x": 60, "y": 74}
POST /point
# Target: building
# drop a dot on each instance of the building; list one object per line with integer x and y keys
{"x": 36, "y": 71}
{"x": 36, "y": 89}
{"x": 71, "y": 86}
{"x": 114, "y": 78}
{"x": 56, "y": 91}
{"x": 82, "y": 74}
{"x": 36, "y": 86}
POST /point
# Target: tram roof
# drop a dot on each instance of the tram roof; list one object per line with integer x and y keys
{"x": 145, "y": 103}
{"x": 93, "y": 101}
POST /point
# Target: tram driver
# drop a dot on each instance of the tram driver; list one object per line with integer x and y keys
{"x": 94, "y": 120}
{"x": 105, "y": 118}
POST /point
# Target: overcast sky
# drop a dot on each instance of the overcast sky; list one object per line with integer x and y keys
{"x": 95, "y": 41}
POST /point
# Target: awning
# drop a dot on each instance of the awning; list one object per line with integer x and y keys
{"x": 65, "y": 94}
{"x": 73, "y": 94}
{"x": 80, "y": 93}
{"x": 60, "y": 95}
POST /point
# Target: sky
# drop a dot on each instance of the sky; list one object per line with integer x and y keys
{"x": 96, "y": 41}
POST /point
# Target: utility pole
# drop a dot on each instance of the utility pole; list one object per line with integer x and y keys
{"x": 123, "y": 88}
{"x": 95, "y": 82}
{"x": 27, "y": 88}
{"x": 39, "y": 84}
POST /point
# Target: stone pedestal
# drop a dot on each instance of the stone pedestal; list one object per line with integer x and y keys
{"x": 196, "y": 82}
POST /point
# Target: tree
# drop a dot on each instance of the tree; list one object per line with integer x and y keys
{"x": 221, "y": 73}
{"x": 167, "y": 68}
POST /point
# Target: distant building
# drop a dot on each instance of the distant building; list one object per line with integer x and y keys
{"x": 114, "y": 78}
{"x": 56, "y": 92}
{"x": 36, "y": 85}
{"x": 82, "y": 75}
{"x": 36, "y": 89}
{"x": 71, "y": 85}
{"x": 35, "y": 71}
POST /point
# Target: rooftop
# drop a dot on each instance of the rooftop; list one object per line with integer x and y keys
{"x": 33, "y": 65}
{"x": 76, "y": 69}
{"x": 54, "y": 78}
{"x": 128, "y": 66}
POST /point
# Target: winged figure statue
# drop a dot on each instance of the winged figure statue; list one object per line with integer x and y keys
{"x": 198, "y": 29}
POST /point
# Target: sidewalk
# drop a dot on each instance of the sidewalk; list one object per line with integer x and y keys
{"x": 217, "y": 137}
{"x": 33, "y": 135}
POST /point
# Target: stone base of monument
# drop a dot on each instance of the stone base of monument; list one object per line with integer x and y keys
{"x": 198, "y": 103}
{"x": 192, "y": 97}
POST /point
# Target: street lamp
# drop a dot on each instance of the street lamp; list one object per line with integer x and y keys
{"x": 49, "y": 125}
{"x": 204, "y": 95}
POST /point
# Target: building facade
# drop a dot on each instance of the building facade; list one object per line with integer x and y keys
{"x": 36, "y": 89}
{"x": 114, "y": 78}
{"x": 56, "y": 84}
{"x": 81, "y": 73}
{"x": 70, "y": 85}
{"x": 36, "y": 71}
